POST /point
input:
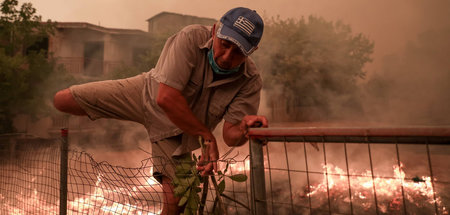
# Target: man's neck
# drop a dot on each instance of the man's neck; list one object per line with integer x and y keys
{"x": 217, "y": 77}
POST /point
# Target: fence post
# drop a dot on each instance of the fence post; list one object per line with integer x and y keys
{"x": 257, "y": 178}
{"x": 63, "y": 172}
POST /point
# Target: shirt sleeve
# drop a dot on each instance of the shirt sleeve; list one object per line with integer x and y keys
{"x": 246, "y": 102}
{"x": 176, "y": 62}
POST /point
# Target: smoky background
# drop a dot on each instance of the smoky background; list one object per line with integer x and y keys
{"x": 406, "y": 84}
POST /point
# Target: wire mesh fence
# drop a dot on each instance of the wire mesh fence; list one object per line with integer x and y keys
{"x": 30, "y": 182}
{"x": 354, "y": 171}
{"x": 292, "y": 171}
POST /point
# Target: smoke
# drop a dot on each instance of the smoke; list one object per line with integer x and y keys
{"x": 391, "y": 25}
{"x": 119, "y": 142}
{"x": 406, "y": 83}
{"x": 412, "y": 87}
{"x": 123, "y": 143}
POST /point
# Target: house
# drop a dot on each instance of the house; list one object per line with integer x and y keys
{"x": 167, "y": 23}
{"x": 91, "y": 50}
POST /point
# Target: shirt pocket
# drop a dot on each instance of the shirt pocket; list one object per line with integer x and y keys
{"x": 190, "y": 91}
{"x": 219, "y": 102}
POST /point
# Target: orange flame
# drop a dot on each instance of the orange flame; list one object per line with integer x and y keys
{"x": 88, "y": 204}
{"x": 388, "y": 190}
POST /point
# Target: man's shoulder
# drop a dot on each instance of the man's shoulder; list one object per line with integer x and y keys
{"x": 200, "y": 33}
{"x": 196, "y": 28}
{"x": 251, "y": 68}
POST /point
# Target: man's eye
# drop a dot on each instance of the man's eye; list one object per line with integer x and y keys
{"x": 225, "y": 44}
{"x": 237, "y": 51}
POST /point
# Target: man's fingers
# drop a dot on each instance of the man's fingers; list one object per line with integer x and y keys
{"x": 207, "y": 169}
{"x": 200, "y": 168}
{"x": 256, "y": 121}
{"x": 215, "y": 165}
{"x": 208, "y": 162}
{"x": 265, "y": 122}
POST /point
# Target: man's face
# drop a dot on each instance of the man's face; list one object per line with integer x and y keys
{"x": 227, "y": 54}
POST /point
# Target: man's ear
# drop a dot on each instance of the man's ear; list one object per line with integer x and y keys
{"x": 213, "y": 32}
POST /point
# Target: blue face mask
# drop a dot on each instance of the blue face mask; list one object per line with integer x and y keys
{"x": 216, "y": 69}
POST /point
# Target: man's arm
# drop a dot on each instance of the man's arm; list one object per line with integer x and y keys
{"x": 236, "y": 135}
{"x": 177, "y": 110}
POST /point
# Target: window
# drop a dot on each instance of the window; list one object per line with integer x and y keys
{"x": 38, "y": 46}
{"x": 93, "y": 58}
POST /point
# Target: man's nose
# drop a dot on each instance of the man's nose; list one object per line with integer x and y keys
{"x": 227, "y": 55}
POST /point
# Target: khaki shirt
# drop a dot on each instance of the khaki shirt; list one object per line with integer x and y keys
{"x": 184, "y": 65}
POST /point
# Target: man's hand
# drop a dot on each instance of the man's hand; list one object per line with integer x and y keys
{"x": 210, "y": 155}
{"x": 237, "y": 134}
{"x": 251, "y": 121}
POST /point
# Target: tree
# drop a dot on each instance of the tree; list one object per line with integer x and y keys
{"x": 311, "y": 66}
{"x": 145, "y": 61}
{"x": 20, "y": 29}
{"x": 26, "y": 72}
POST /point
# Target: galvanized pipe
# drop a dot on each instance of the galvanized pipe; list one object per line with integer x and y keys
{"x": 351, "y": 131}
{"x": 63, "y": 172}
{"x": 257, "y": 178}
{"x": 434, "y": 135}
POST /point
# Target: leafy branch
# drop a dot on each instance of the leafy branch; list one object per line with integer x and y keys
{"x": 187, "y": 186}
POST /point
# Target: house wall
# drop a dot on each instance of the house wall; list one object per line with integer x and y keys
{"x": 169, "y": 23}
{"x": 68, "y": 47}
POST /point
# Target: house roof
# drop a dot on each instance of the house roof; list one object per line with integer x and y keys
{"x": 85, "y": 25}
{"x": 177, "y": 14}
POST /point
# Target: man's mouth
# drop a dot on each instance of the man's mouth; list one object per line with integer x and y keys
{"x": 224, "y": 65}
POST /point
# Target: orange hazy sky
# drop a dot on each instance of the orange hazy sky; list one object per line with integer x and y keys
{"x": 389, "y": 23}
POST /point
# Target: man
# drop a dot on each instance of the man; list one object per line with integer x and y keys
{"x": 203, "y": 75}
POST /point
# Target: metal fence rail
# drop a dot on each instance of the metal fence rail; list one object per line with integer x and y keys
{"x": 350, "y": 170}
